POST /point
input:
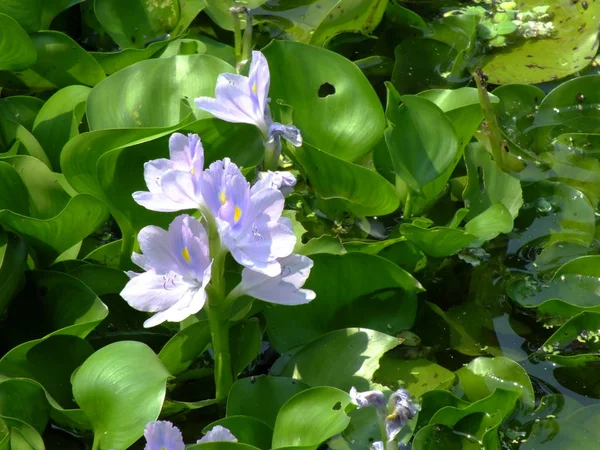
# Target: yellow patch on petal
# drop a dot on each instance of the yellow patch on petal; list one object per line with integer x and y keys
{"x": 193, "y": 171}
{"x": 254, "y": 88}
{"x": 237, "y": 213}
{"x": 186, "y": 254}
{"x": 222, "y": 197}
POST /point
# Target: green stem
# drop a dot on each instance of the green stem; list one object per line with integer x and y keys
{"x": 127, "y": 243}
{"x": 247, "y": 47}
{"x": 491, "y": 127}
{"x": 408, "y": 205}
{"x": 272, "y": 153}
{"x": 218, "y": 313}
{"x": 237, "y": 34}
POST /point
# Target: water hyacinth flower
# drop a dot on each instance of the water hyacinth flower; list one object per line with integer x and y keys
{"x": 163, "y": 435}
{"x": 218, "y": 434}
{"x": 284, "y": 181}
{"x": 284, "y": 289}
{"x": 177, "y": 269}
{"x": 184, "y": 166}
{"x": 241, "y": 99}
{"x": 250, "y": 224}
{"x": 402, "y": 410}
{"x": 368, "y": 399}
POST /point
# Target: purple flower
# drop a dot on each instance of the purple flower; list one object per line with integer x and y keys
{"x": 178, "y": 268}
{"x": 403, "y": 409}
{"x": 366, "y": 399}
{"x": 163, "y": 435}
{"x": 284, "y": 181}
{"x": 250, "y": 224}
{"x": 285, "y": 288}
{"x": 240, "y": 99}
{"x": 218, "y": 434}
{"x": 173, "y": 184}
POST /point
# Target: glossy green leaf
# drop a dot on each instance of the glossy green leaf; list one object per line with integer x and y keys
{"x": 221, "y": 446}
{"x": 25, "y": 401}
{"x": 112, "y": 62}
{"x": 490, "y": 223}
{"x": 21, "y": 109}
{"x": 13, "y": 262}
{"x": 245, "y": 340}
{"x": 346, "y": 187}
{"x": 416, "y": 375}
{"x": 157, "y": 102}
{"x": 555, "y": 434}
{"x": 20, "y": 141}
{"x": 60, "y": 62}
{"x": 437, "y": 242}
{"x": 333, "y": 103}
{"x": 488, "y": 185}
{"x": 355, "y": 289}
{"x": 218, "y": 11}
{"x": 553, "y": 212}
{"x": 247, "y": 430}
{"x": 34, "y": 15}
{"x": 23, "y": 436}
{"x": 182, "y": 349}
{"x": 311, "y": 417}
{"x": 480, "y": 377}
{"x": 262, "y": 397}
{"x": 17, "y": 51}
{"x": 59, "y": 119}
{"x": 342, "y": 358}
{"x": 421, "y": 140}
{"x": 135, "y": 23}
{"x": 574, "y": 284}
{"x": 575, "y": 41}
{"x": 120, "y": 420}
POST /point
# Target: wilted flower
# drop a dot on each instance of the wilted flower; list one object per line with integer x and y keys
{"x": 163, "y": 435}
{"x": 285, "y": 288}
{"x": 402, "y": 410}
{"x": 377, "y": 445}
{"x": 164, "y": 177}
{"x": 178, "y": 268}
{"x": 250, "y": 224}
{"x": 241, "y": 99}
{"x": 366, "y": 399}
{"x": 284, "y": 181}
{"x": 218, "y": 434}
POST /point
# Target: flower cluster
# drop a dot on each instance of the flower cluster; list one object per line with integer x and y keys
{"x": 163, "y": 435}
{"x": 395, "y": 413}
{"x": 247, "y": 220}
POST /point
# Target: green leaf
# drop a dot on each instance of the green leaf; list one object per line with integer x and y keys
{"x": 572, "y": 289}
{"x": 490, "y": 223}
{"x": 342, "y": 358}
{"x": 554, "y": 212}
{"x": 488, "y": 185}
{"x": 421, "y": 140}
{"x": 34, "y": 15}
{"x": 575, "y": 40}
{"x": 13, "y": 262}
{"x": 262, "y": 397}
{"x": 60, "y": 62}
{"x": 25, "y": 401}
{"x": 245, "y": 340}
{"x": 16, "y": 49}
{"x": 221, "y": 446}
{"x": 415, "y": 375}
{"x": 438, "y": 242}
{"x": 21, "y": 108}
{"x": 247, "y": 430}
{"x": 555, "y": 434}
{"x": 355, "y": 289}
{"x": 324, "y": 89}
{"x": 311, "y": 417}
{"x": 15, "y": 134}
{"x": 345, "y": 186}
{"x": 218, "y": 11}
{"x": 49, "y": 361}
{"x": 23, "y": 436}
{"x": 136, "y": 23}
{"x": 480, "y": 377}
{"x": 157, "y": 102}
{"x": 119, "y": 420}
{"x": 182, "y": 349}
{"x": 112, "y": 62}
{"x": 58, "y": 120}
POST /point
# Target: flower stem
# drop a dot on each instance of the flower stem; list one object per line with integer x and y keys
{"x": 218, "y": 311}
{"x": 237, "y": 33}
{"x": 272, "y": 153}
{"x": 408, "y": 205}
